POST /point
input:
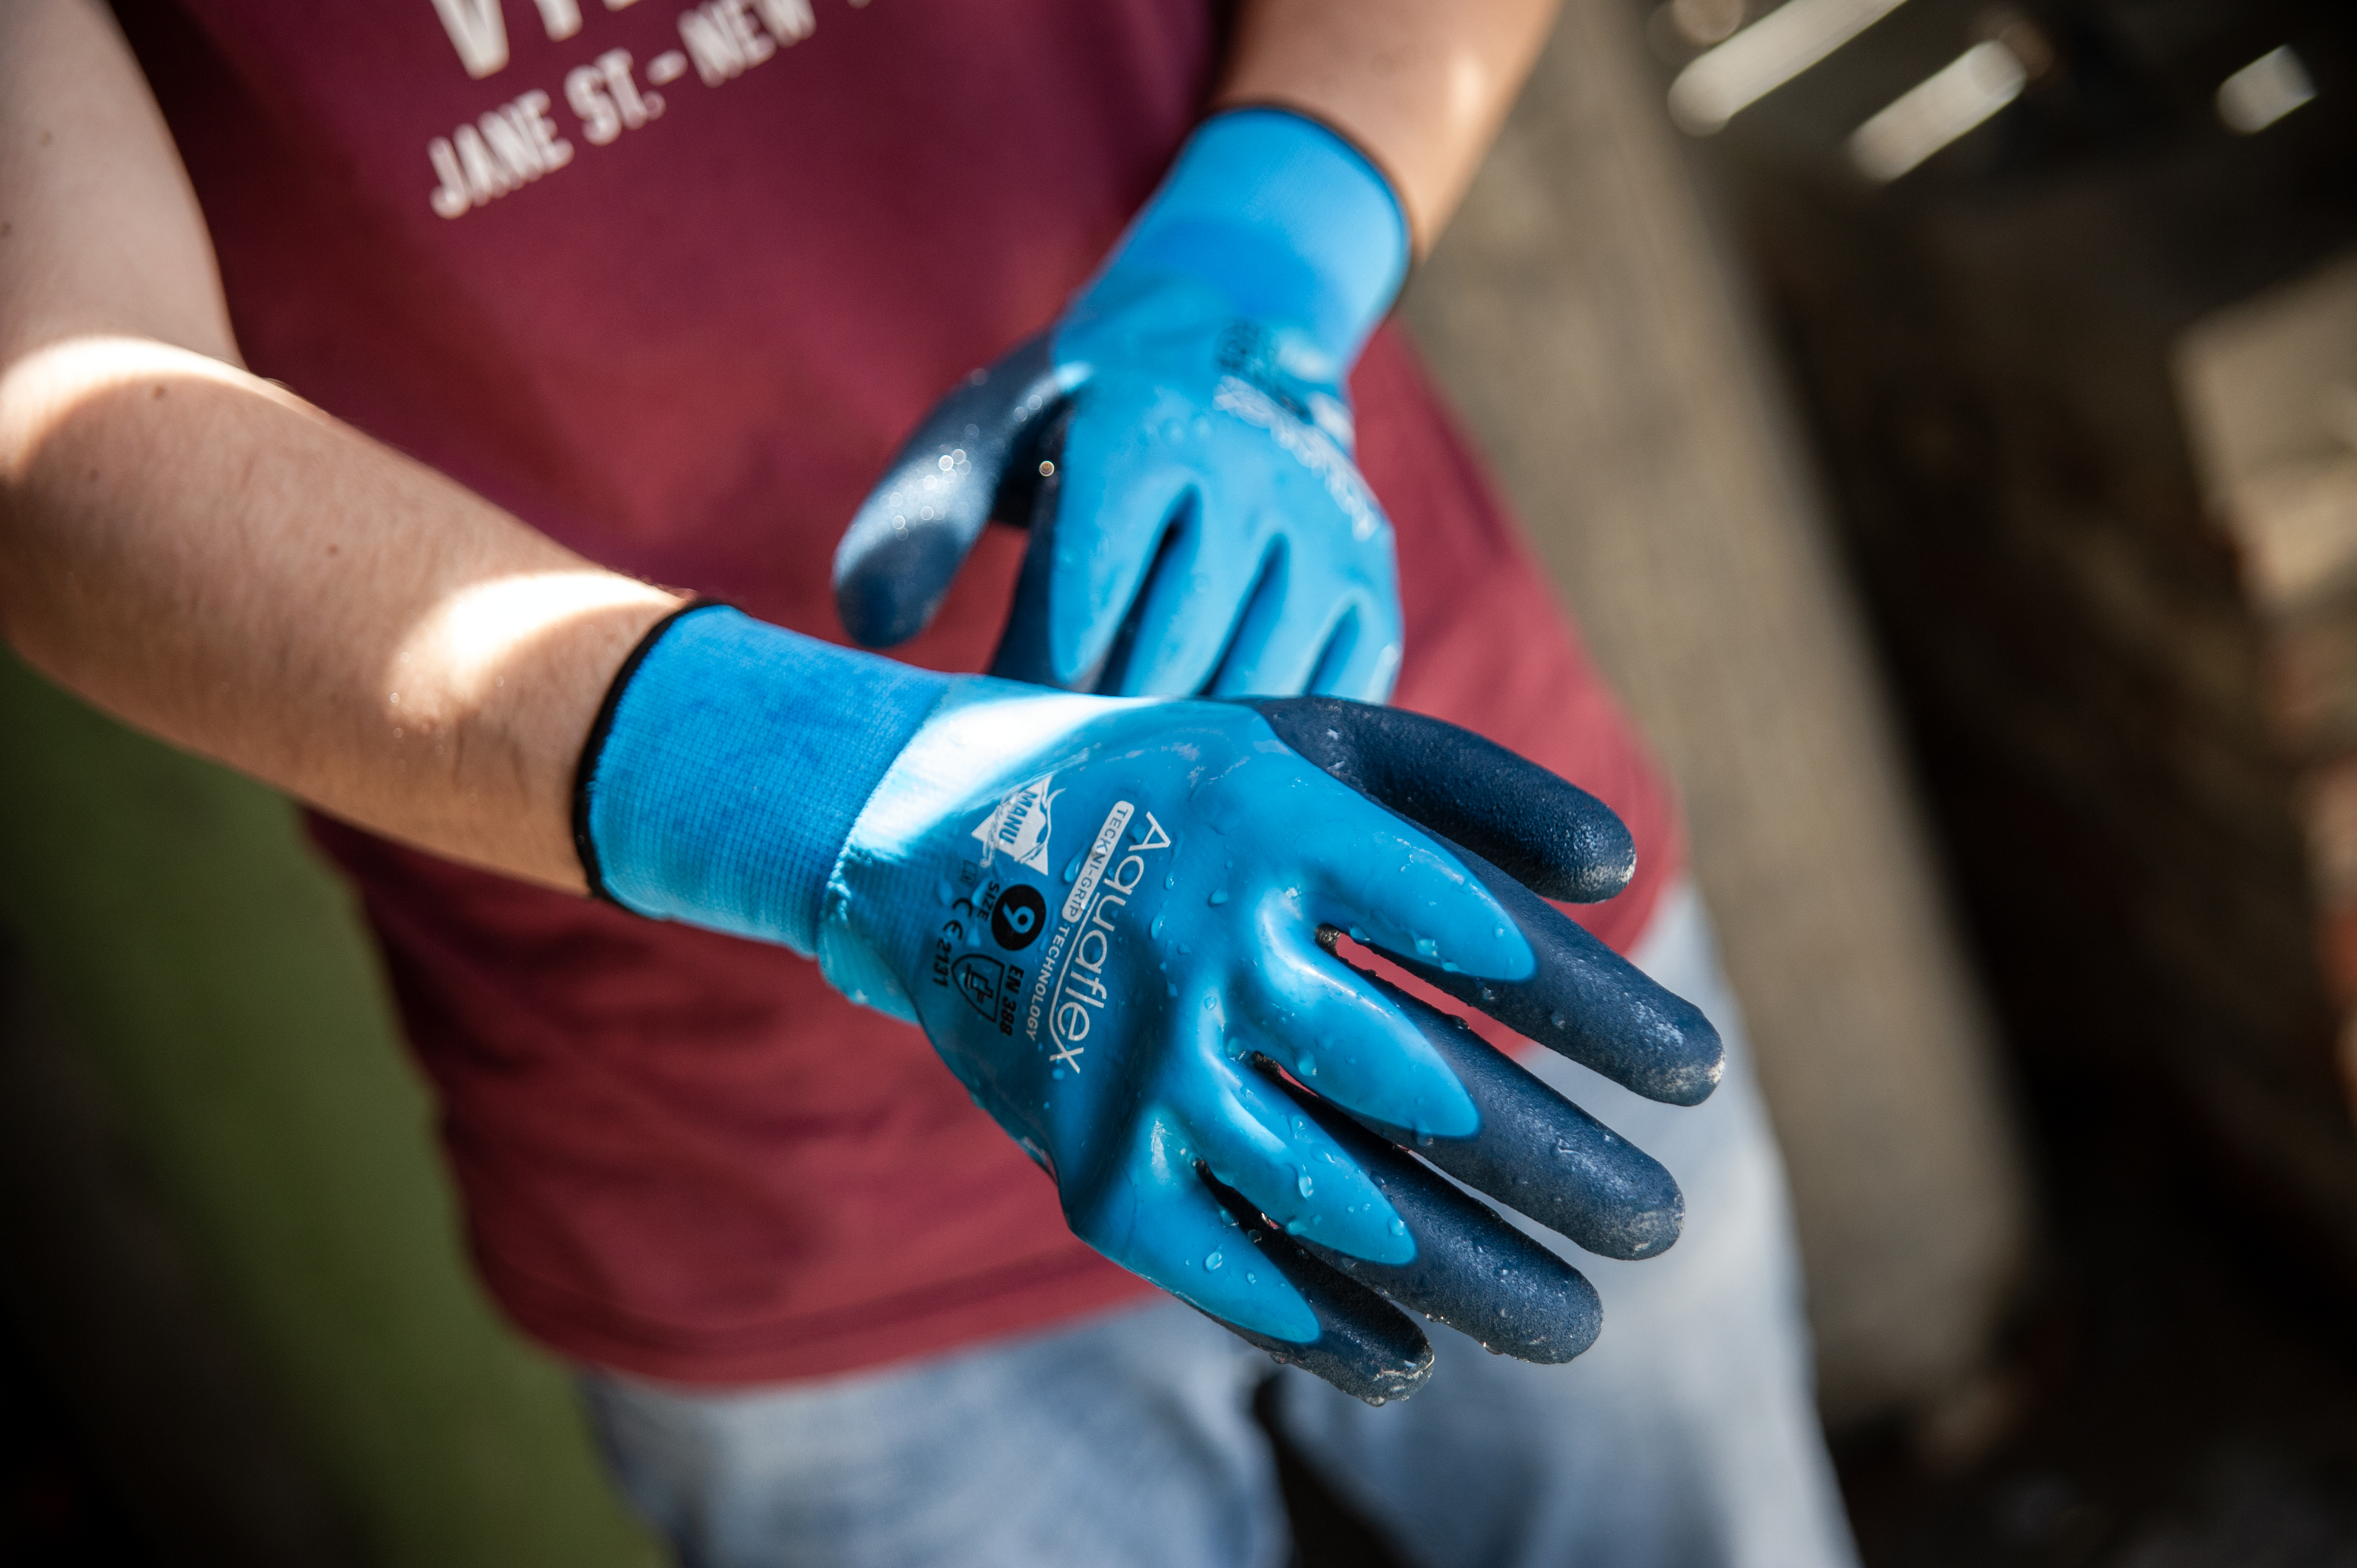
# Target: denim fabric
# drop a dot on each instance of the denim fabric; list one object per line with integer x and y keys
{"x": 1687, "y": 1436}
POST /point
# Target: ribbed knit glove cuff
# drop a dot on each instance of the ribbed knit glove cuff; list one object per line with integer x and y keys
{"x": 725, "y": 770}
{"x": 1284, "y": 218}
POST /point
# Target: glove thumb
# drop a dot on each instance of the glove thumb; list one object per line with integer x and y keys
{"x": 969, "y": 461}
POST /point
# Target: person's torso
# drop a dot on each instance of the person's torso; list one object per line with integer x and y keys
{"x": 670, "y": 283}
{"x": 675, "y": 317}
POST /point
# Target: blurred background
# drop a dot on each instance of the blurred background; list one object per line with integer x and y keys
{"x": 1943, "y": 417}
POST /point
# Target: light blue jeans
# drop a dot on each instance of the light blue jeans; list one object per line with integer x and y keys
{"x": 1687, "y": 1436}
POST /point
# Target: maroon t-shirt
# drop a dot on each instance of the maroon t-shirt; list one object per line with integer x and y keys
{"x": 671, "y": 284}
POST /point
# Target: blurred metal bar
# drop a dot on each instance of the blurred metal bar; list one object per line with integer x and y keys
{"x": 1936, "y": 111}
{"x": 1763, "y": 56}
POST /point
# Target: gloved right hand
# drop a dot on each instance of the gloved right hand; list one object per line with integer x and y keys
{"x": 1118, "y": 922}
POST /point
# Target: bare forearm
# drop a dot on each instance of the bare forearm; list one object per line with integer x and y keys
{"x": 1422, "y": 87}
{"x": 219, "y": 564}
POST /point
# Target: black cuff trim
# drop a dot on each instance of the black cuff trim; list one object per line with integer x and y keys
{"x": 585, "y": 770}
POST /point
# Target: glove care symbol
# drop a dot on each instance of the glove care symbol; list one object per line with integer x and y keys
{"x": 989, "y": 987}
{"x": 1018, "y": 825}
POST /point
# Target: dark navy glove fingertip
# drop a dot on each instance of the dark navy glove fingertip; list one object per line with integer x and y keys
{"x": 1597, "y": 860}
{"x": 912, "y": 533}
{"x": 1546, "y": 833}
{"x": 1693, "y": 1057}
{"x": 1470, "y": 1270}
{"x": 889, "y": 592}
{"x": 1365, "y": 1346}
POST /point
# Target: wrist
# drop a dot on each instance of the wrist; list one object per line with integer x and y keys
{"x": 727, "y": 765}
{"x": 1283, "y": 216}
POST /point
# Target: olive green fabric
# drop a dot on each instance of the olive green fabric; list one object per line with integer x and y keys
{"x": 219, "y": 973}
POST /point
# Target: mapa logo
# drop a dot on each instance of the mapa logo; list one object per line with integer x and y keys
{"x": 1018, "y": 827}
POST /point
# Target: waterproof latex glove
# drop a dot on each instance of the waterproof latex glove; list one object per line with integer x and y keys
{"x": 1178, "y": 444}
{"x": 1119, "y": 922}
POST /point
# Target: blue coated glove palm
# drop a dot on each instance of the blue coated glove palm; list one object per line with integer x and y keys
{"x": 1178, "y": 444}
{"x": 1119, "y": 922}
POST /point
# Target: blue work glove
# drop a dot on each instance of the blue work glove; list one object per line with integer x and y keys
{"x": 1178, "y": 444}
{"x": 1118, "y": 922}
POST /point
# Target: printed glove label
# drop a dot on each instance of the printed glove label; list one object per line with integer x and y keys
{"x": 1020, "y": 825}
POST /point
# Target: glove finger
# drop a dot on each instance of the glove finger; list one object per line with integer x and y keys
{"x": 1194, "y": 596}
{"x": 1343, "y": 1036}
{"x": 1585, "y": 1002}
{"x": 1257, "y": 1143}
{"x": 1360, "y": 660}
{"x": 1023, "y": 649}
{"x": 1052, "y": 636}
{"x": 905, "y": 544}
{"x": 1282, "y": 633}
{"x": 1125, "y": 481}
{"x": 1144, "y": 1203}
{"x": 1535, "y": 1151}
{"x": 1369, "y": 871}
{"x": 1545, "y": 832}
{"x": 1471, "y": 1269}
{"x": 1364, "y": 1345}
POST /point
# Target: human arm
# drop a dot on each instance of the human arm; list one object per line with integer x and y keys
{"x": 1421, "y": 88}
{"x": 232, "y": 569}
{"x": 211, "y": 559}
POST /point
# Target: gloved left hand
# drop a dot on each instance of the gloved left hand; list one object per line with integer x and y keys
{"x": 1119, "y": 923}
{"x": 1179, "y": 445}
